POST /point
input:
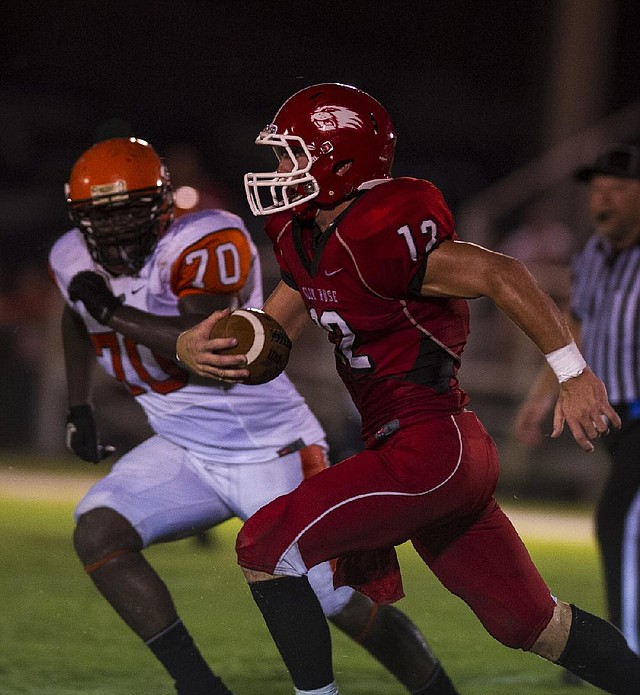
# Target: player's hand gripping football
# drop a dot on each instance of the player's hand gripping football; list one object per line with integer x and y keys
{"x": 82, "y": 435}
{"x": 92, "y": 290}
{"x": 197, "y": 351}
{"x": 584, "y": 406}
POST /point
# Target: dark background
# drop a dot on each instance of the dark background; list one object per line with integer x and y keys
{"x": 467, "y": 83}
{"x": 496, "y": 101}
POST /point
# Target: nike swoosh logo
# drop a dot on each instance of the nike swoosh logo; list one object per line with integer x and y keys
{"x": 332, "y": 272}
{"x": 137, "y": 289}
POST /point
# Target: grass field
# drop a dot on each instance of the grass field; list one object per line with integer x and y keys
{"x": 59, "y": 637}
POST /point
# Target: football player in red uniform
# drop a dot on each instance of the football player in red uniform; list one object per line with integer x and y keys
{"x": 375, "y": 262}
{"x": 132, "y": 278}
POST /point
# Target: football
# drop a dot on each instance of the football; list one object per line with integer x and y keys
{"x": 261, "y": 338}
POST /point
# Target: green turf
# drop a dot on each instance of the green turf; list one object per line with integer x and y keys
{"x": 59, "y": 637}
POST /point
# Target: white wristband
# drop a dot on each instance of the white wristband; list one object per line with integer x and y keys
{"x": 566, "y": 362}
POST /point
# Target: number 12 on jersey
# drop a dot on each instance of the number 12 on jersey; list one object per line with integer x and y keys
{"x": 428, "y": 228}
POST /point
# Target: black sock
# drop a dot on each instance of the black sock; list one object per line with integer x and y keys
{"x": 177, "y": 652}
{"x": 439, "y": 684}
{"x": 597, "y": 652}
{"x": 394, "y": 640}
{"x": 299, "y": 629}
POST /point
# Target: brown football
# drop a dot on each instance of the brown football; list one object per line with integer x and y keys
{"x": 261, "y": 338}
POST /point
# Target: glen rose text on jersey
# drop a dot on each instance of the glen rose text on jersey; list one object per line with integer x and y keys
{"x": 314, "y": 294}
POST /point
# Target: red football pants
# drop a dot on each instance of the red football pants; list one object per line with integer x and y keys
{"x": 431, "y": 483}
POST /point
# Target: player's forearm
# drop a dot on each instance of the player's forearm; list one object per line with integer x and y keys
{"x": 462, "y": 269}
{"x": 517, "y": 294}
{"x": 158, "y": 333}
{"x": 79, "y": 358}
{"x": 286, "y": 306}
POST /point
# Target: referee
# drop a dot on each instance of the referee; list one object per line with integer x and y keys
{"x": 605, "y": 319}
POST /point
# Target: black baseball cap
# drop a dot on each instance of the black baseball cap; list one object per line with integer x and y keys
{"x": 622, "y": 161}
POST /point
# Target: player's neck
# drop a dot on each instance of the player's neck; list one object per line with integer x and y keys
{"x": 326, "y": 216}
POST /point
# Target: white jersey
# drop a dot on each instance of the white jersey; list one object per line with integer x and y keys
{"x": 205, "y": 252}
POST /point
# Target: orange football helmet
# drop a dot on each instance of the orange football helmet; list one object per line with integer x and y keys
{"x": 119, "y": 195}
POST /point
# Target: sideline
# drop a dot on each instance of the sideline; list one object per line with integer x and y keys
{"x": 551, "y": 524}
{"x": 44, "y": 485}
{"x": 69, "y": 487}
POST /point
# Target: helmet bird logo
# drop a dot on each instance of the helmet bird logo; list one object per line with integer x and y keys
{"x": 328, "y": 118}
{"x": 319, "y": 128}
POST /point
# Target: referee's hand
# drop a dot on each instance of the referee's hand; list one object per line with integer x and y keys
{"x": 584, "y": 406}
{"x": 530, "y": 418}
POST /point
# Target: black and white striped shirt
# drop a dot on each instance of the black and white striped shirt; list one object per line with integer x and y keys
{"x": 606, "y": 301}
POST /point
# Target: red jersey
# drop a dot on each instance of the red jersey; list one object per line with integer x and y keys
{"x": 398, "y": 353}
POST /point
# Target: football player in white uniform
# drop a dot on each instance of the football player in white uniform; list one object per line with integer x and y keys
{"x": 133, "y": 279}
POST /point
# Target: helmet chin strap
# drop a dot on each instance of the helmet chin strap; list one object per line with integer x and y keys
{"x": 127, "y": 260}
{"x": 123, "y": 259}
{"x": 306, "y": 211}
{"x": 311, "y": 212}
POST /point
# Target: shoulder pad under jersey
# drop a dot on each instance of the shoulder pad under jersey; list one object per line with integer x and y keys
{"x": 399, "y": 202}
{"x": 391, "y": 230}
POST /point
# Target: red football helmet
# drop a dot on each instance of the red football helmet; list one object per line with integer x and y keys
{"x": 331, "y": 125}
{"x": 120, "y": 196}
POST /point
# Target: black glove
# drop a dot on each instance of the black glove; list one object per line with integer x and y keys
{"x": 82, "y": 436}
{"x": 91, "y": 289}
